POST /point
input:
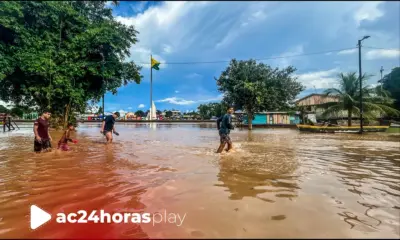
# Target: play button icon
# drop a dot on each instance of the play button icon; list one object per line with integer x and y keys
{"x": 38, "y": 217}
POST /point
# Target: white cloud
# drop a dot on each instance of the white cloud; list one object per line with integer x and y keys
{"x": 383, "y": 53}
{"x": 285, "y": 62}
{"x": 139, "y": 6}
{"x": 181, "y": 101}
{"x": 368, "y": 11}
{"x": 192, "y": 30}
{"x": 177, "y": 101}
{"x": 109, "y": 4}
{"x": 167, "y": 49}
{"x": 346, "y": 52}
{"x": 141, "y": 56}
{"x": 193, "y": 75}
{"x": 129, "y": 108}
{"x": 320, "y": 79}
{"x": 176, "y": 91}
{"x": 259, "y": 15}
{"x": 122, "y": 112}
{"x": 162, "y": 31}
{"x": 141, "y": 105}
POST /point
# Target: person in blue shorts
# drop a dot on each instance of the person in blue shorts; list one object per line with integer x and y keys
{"x": 224, "y": 125}
{"x": 108, "y": 128}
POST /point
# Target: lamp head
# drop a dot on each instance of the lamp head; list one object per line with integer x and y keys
{"x": 365, "y": 37}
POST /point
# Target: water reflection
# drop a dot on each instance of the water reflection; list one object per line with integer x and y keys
{"x": 279, "y": 183}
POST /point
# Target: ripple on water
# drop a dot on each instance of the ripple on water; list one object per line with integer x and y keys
{"x": 352, "y": 179}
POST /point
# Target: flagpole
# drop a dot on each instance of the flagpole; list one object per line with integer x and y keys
{"x": 151, "y": 86}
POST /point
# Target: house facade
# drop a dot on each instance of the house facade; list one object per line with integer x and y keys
{"x": 274, "y": 118}
{"x": 313, "y": 106}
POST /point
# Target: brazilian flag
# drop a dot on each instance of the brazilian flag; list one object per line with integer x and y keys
{"x": 155, "y": 64}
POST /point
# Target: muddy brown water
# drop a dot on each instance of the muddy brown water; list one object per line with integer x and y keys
{"x": 278, "y": 184}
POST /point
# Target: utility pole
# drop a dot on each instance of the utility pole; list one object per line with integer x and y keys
{"x": 381, "y": 75}
{"x": 151, "y": 87}
{"x": 360, "y": 79}
{"x": 102, "y": 75}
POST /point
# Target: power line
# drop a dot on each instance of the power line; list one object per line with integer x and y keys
{"x": 264, "y": 59}
{"x": 260, "y": 59}
{"x": 382, "y": 48}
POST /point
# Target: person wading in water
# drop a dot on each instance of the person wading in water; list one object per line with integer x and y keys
{"x": 107, "y": 128}
{"x": 42, "y": 136}
{"x": 63, "y": 143}
{"x": 224, "y": 125}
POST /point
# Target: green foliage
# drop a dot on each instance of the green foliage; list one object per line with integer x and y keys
{"x": 391, "y": 83}
{"x": 256, "y": 87}
{"x": 374, "y": 100}
{"x": 168, "y": 114}
{"x": 100, "y": 111}
{"x": 62, "y": 54}
{"x": 4, "y": 109}
{"x": 207, "y": 111}
{"x": 139, "y": 113}
{"x": 17, "y": 111}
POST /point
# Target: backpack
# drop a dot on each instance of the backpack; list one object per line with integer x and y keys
{"x": 219, "y": 120}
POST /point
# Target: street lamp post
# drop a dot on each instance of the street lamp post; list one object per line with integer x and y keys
{"x": 102, "y": 75}
{"x": 360, "y": 79}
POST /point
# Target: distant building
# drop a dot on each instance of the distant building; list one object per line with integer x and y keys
{"x": 313, "y": 106}
{"x": 274, "y": 118}
{"x": 176, "y": 113}
{"x": 191, "y": 117}
{"x": 130, "y": 116}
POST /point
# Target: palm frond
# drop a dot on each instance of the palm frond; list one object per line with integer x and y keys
{"x": 381, "y": 108}
{"x": 332, "y": 91}
{"x": 334, "y": 109}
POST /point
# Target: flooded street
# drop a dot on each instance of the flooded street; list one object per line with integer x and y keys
{"x": 278, "y": 184}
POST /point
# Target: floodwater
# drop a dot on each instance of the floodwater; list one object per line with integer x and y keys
{"x": 278, "y": 184}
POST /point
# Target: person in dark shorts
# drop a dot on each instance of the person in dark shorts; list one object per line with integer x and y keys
{"x": 107, "y": 128}
{"x": 42, "y": 136}
{"x": 63, "y": 143}
{"x": 224, "y": 125}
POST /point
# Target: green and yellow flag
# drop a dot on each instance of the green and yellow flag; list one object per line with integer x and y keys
{"x": 155, "y": 64}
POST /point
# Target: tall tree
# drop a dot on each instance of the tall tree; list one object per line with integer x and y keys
{"x": 256, "y": 87}
{"x": 60, "y": 55}
{"x": 4, "y": 109}
{"x": 206, "y": 111}
{"x": 139, "y": 113}
{"x": 17, "y": 111}
{"x": 100, "y": 111}
{"x": 391, "y": 83}
{"x": 168, "y": 114}
{"x": 349, "y": 97}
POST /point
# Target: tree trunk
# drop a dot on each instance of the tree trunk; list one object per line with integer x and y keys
{"x": 349, "y": 115}
{"x": 66, "y": 114}
{"x": 250, "y": 121}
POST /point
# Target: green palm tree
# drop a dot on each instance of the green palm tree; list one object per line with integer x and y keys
{"x": 375, "y": 101}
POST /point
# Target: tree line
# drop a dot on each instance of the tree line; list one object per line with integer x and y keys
{"x": 61, "y": 55}
{"x": 255, "y": 87}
